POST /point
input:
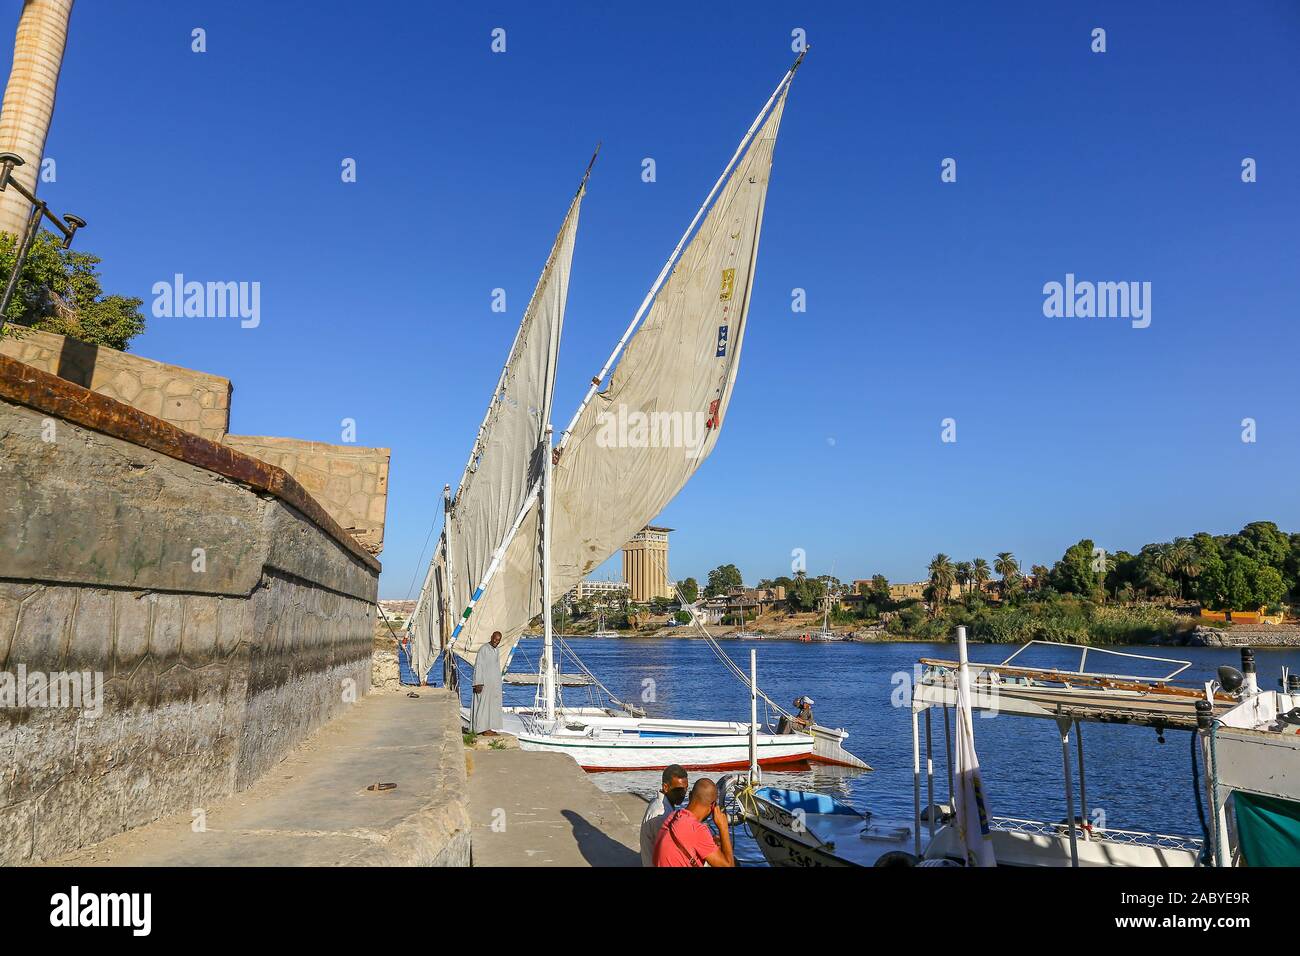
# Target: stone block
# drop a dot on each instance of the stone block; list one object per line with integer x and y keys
{"x": 131, "y": 613}
{"x": 199, "y": 639}
{"x": 43, "y": 627}
{"x": 17, "y": 834}
{"x": 165, "y": 635}
{"x": 91, "y": 647}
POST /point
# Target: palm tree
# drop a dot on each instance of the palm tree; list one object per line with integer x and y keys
{"x": 29, "y": 99}
{"x": 981, "y": 574}
{"x": 1040, "y": 573}
{"x": 942, "y": 577}
{"x": 1163, "y": 557}
{"x": 1186, "y": 561}
{"x": 963, "y": 574}
{"x": 1005, "y": 564}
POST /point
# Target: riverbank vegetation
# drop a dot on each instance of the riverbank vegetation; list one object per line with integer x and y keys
{"x": 1094, "y": 596}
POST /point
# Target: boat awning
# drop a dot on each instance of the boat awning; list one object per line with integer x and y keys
{"x": 1038, "y": 692}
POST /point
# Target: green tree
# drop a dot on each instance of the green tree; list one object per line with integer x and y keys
{"x": 722, "y": 579}
{"x": 963, "y": 574}
{"x": 1156, "y": 565}
{"x": 804, "y": 593}
{"x": 59, "y": 291}
{"x": 980, "y": 573}
{"x": 690, "y": 589}
{"x": 1074, "y": 573}
{"x": 1122, "y": 575}
{"x": 1261, "y": 541}
{"x": 1269, "y": 587}
{"x": 942, "y": 577}
{"x": 1008, "y": 569}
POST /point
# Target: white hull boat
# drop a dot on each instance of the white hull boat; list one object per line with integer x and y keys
{"x": 803, "y": 828}
{"x": 599, "y": 741}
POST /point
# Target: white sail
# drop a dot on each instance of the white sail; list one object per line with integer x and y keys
{"x": 637, "y": 442}
{"x": 504, "y": 466}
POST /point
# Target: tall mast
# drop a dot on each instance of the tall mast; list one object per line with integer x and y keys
{"x": 548, "y": 665}
{"x": 448, "y": 595}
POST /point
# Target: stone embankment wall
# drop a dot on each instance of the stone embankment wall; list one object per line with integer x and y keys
{"x": 349, "y": 481}
{"x": 194, "y": 401}
{"x": 1264, "y": 635}
{"x": 226, "y": 612}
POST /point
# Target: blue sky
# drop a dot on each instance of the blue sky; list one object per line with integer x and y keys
{"x": 924, "y": 298}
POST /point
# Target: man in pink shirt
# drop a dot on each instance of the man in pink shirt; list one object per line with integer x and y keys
{"x": 684, "y": 840}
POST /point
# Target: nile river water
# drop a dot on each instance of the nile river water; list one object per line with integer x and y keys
{"x": 1138, "y": 782}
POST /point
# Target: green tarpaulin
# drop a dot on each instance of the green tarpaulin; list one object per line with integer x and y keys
{"x": 1268, "y": 830}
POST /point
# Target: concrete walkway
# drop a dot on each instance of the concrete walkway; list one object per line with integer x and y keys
{"x": 314, "y": 809}
{"x": 514, "y": 808}
{"x": 541, "y": 809}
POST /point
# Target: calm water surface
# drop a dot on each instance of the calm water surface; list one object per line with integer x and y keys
{"x": 1140, "y": 783}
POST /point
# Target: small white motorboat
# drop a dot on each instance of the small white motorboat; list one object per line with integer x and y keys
{"x": 805, "y": 828}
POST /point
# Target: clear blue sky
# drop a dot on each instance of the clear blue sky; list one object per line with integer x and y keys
{"x": 924, "y": 298}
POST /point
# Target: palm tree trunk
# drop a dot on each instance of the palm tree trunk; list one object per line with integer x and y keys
{"x": 29, "y": 98}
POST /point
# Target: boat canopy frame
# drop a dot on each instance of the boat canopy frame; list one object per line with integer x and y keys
{"x": 1069, "y": 698}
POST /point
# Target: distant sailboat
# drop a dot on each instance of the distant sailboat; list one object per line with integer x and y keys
{"x": 742, "y": 632}
{"x": 826, "y": 634}
{"x": 601, "y": 629}
{"x": 562, "y": 511}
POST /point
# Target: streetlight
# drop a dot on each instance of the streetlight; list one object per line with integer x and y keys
{"x": 68, "y": 226}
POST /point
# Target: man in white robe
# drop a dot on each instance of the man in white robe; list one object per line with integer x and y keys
{"x": 485, "y": 713}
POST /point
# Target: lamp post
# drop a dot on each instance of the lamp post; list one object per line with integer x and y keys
{"x": 68, "y": 226}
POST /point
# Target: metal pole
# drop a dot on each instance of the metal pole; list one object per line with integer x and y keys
{"x": 916, "y": 779}
{"x": 948, "y": 755}
{"x": 20, "y": 257}
{"x": 68, "y": 226}
{"x": 1083, "y": 785}
{"x": 548, "y": 664}
{"x": 929, "y": 775}
{"x": 963, "y": 679}
{"x": 1063, "y": 725}
{"x": 753, "y": 717}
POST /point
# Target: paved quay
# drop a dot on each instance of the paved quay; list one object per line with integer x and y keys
{"x": 314, "y": 808}
{"x": 542, "y": 809}
{"x": 450, "y": 806}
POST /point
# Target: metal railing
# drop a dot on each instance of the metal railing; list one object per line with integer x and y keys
{"x": 1165, "y": 841}
{"x": 1083, "y": 660}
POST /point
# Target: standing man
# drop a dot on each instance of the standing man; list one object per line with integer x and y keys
{"x": 684, "y": 840}
{"x": 670, "y": 796}
{"x": 485, "y": 714}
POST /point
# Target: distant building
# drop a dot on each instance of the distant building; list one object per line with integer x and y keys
{"x": 645, "y": 565}
{"x": 916, "y": 591}
{"x": 602, "y": 593}
{"x": 728, "y": 607}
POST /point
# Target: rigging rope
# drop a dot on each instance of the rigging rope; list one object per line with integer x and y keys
{"x": 718, "y": 652}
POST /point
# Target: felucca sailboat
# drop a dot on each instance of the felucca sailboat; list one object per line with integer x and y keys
{"x": 530, "y": 518}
